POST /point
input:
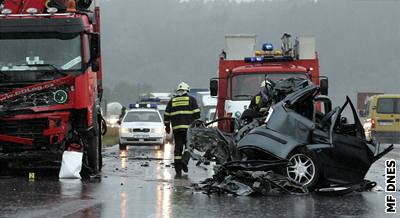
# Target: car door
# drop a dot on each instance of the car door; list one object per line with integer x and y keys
{"x": 350, "y": 155}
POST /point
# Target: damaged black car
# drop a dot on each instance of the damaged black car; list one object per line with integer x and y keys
{"x": 322, "y": 147}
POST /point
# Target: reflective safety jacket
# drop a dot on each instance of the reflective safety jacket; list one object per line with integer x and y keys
{"x": 181, "y": 111}
{"x": 258, "y": 104}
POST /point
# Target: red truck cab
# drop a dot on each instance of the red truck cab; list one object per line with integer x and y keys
{"x": 242, "y": 69}
{"x": 50, "y": 83}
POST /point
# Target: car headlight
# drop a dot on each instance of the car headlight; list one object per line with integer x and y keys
{"x": 60, "y": 96}
{"x": 113, "y": 120}
{"x": 270, "y": 111}
{"x": 124, "y": 130}
{"x": 157, "y": 130}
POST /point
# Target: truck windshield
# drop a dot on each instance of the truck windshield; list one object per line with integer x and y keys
{"x": 245, "y": 86}
{"x": 17, "y": 54}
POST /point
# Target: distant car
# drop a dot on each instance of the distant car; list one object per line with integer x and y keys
{"x": 382, "y": 123}
{"x": 112, "y": 120}
{"x": 142, "y": 126}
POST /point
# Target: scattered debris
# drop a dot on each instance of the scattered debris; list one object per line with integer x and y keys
{"x": 237, "y": 178}
{"x": 145, "y": 158}
{"x": 145, "y": 164}
{"x": 93, "y": 178}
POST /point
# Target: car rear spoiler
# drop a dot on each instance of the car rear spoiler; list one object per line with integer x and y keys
{"x": 383, "y": 153}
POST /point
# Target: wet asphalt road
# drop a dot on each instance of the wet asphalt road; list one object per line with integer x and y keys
{"x": 130, "y": 188}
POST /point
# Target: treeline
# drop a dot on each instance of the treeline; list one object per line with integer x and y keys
{"x": 125, "y": 92}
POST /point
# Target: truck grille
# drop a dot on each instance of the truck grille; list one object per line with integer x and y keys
{"x": 32, "y": 129}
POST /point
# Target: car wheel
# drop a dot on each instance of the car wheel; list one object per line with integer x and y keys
{"x": 304, "y": 168}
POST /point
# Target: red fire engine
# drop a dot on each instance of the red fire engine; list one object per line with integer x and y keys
{"x": 241, "y": 70}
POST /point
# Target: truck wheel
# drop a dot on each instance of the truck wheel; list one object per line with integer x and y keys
{"x": 100, "y": 153}
{"x": 304, "y": 168}
{"x": 94, "y": 147}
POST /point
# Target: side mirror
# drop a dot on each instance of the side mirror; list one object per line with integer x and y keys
{"x": 213, "y": 87}
{"x": 323, "y": 84}
{"x": 94, "y": 46}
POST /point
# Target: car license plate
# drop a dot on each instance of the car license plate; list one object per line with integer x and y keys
{"x": 141, "y": 136}
{"x": 385, "y": 123}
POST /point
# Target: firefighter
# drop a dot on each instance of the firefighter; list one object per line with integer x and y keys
{"x": 263, "y": 99}
{"x": 181, "y": 111}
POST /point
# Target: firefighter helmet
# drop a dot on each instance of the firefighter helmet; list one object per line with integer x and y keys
{"x": 264, "y": 83}
{"x": 183, "y": 86}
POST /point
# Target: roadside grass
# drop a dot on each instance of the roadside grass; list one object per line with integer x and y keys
{"x": 111, "y": 137}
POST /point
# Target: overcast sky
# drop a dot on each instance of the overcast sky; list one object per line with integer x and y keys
{"x": 162, "y": 42}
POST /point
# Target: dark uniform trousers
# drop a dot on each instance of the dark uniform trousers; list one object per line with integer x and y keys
{"x": 180, "y": 144}
{"x": 181, "y": 111}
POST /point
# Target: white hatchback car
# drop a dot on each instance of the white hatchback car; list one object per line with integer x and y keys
{"x": 142, "y": 126}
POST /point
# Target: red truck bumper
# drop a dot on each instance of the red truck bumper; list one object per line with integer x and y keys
{"x": 33, "y": 131}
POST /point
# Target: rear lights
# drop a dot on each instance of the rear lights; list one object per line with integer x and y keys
{"x": 373, "y": 123}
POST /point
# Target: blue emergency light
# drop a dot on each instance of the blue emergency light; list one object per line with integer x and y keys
{"x": 266, "y": 59}
{"x": 267, "y": 47}
{"x": 142, "y": 105}
{"x": 254, "y": 59}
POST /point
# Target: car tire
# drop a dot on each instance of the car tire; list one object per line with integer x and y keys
{"x": 305, "y": 168}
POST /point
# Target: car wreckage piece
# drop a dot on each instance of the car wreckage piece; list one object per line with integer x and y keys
{"x": 322, "y": 148}
{"x": 229, "y": 179}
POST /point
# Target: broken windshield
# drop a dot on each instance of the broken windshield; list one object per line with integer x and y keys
{"x": 244, "y": 86}
{"x": 18, "y": 53}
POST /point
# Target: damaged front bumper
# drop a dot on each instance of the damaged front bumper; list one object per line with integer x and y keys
{"x": 33, "y": 139}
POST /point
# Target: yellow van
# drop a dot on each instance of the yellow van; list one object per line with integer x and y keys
{"x": 382, "y": 123}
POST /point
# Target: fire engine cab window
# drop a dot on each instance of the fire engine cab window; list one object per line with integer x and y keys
{"x": 65, "y": 54}
{"x": 243, "y": 87}
{"x": 142, "y": 116}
